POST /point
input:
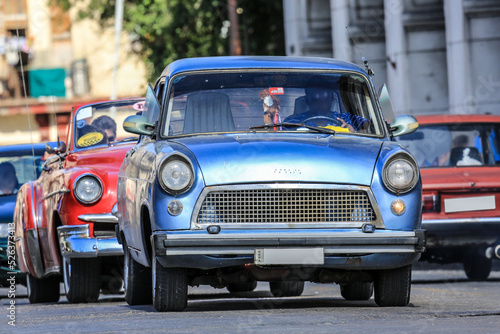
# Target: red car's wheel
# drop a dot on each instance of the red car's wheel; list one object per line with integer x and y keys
{"x": 82, "y": 279}
{"x": 45, "y": 290}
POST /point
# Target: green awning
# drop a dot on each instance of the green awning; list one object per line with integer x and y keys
{"x": 47, "y": 82}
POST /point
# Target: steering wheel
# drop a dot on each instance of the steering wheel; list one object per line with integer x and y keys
{"x": 322, "y": 121}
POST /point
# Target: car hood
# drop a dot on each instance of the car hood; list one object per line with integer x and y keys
{"x": 111, "y": 157}
{"x": 250, "y": 158}
{"x": 460, "y": 178}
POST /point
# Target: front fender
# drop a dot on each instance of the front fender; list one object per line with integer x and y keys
{"x": 411, "y": 219}
{"x": 29, "y": 254}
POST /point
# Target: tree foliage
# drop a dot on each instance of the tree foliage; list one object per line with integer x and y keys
{"x": 167, "y": 30}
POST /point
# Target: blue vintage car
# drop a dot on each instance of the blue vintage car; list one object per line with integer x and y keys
{"x": 18, "y": 164}
{"x": 276, "y": 169}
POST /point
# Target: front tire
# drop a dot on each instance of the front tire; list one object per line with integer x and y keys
{"x": 393, "y": 286}
{"x": 137, "y": 280}
{"x": 357, "y": 290}
{"x": 170, "y": 287}
{"x": 286, "y": 288}
{"x": 82, "y": 279}
{"x": 45, "y": 290}
{"x": 477, "y": 266}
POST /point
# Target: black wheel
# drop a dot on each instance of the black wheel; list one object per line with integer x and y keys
{"x": 45, "y": 290}
{"x": 137, "y": 280}
{"x": 357, "y": 290}
{"x": 82, "y": 279}
{"x": 392, "y": 287}
{"x": 477, "y": 266}
{"x": 286, "y": 288}
{"x": 170, "y": 287}
{"x": 247, "y": 286}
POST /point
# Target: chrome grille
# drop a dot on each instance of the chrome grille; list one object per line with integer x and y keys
{"x": 285, "y": 206}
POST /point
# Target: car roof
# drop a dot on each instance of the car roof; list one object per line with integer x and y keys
{"x": 22, "y": 149}
{"x": 453, "y": 118}
{"x": 258, "y": 62}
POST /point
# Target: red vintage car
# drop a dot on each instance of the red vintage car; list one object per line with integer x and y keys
{"x": 459, "y": 159}
{"x": 64, "y": 221}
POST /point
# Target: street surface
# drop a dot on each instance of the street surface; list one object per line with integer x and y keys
{"x": 442, "y": 301}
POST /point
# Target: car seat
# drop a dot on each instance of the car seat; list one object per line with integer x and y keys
{"x": 208, "y": 112}
{"x": 457, "y": 154}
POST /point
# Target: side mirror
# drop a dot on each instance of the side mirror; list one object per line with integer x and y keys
{"x": 138, "y": 124}
{"x": 386, "y": 104}
{"x": 55, "y": 149}
{"x": 403, "y": 125}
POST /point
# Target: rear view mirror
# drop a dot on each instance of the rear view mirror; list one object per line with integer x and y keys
{"x": 403, "y": 125}
{"x": 138, "y": 124}
{"x": 55, "y": 149}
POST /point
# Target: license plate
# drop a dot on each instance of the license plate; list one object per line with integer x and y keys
{"x": 469, "y": 204}
{"x": 295, "y": 256}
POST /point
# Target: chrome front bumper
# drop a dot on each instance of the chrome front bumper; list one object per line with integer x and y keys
{"x": 75, "y": 241}
{"x": 343, "y": 249}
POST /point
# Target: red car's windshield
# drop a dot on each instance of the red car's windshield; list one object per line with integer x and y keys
{"x": 459, "y": 144}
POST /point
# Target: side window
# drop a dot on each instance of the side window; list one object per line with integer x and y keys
{"x": 151, "y": 106}
{"x": 160, "y": 90}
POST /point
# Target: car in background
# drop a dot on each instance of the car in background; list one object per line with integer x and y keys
{"x": 18, "y": 165}
{"x": 64, "y": 221}
{"x": 235, "y": 180}
{"x": 459, "y": 160}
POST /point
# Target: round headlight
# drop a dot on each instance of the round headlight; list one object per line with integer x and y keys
{"x": 88, "y": 189}
{"x": 176, "y": 175}
{"x": 400, "y": 173}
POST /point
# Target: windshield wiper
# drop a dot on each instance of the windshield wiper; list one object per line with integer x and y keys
{"x": 123, "y": 140}
{"x": 295, "y": 125}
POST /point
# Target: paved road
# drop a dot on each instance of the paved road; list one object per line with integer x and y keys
{"x": 442, "y": 301}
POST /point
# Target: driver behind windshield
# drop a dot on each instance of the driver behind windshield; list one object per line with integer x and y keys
{"x": 319, "y": 99}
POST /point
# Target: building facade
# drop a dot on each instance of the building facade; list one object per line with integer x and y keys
{"x": 50, "y": 61}
{"x": 436, "y": 56}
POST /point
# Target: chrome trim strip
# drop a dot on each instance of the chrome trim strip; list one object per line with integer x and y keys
{"x": 74, "y": 241}
{"x": 291, "y": 235}
{"x": 57, "y": 192}
{"x": 462, "y": 220}
{"x": 336, "y": 250}
{"x": 99, "y": 218}
{"x": 379, "y": 222}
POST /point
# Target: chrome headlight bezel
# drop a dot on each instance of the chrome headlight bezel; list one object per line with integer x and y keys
{"x": 170, "y": 162}
{"x": 386, "y": 173}
{"x": 78, "y": 181}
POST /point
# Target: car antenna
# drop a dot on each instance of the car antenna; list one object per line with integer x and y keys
{"x": 367, "y": 67}
{"x": 26, "y": 98}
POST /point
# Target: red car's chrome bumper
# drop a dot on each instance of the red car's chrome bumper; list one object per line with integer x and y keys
{"x": 75, "y": 241}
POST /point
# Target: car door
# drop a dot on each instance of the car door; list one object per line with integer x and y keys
{"x": 134, "y": 183}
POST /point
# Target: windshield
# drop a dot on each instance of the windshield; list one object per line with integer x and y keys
{"x": 242, "y": 101}
{"x": 96, "y": 124}
{"x": 16, "y": 170}
{"x": 454, "y": 145}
